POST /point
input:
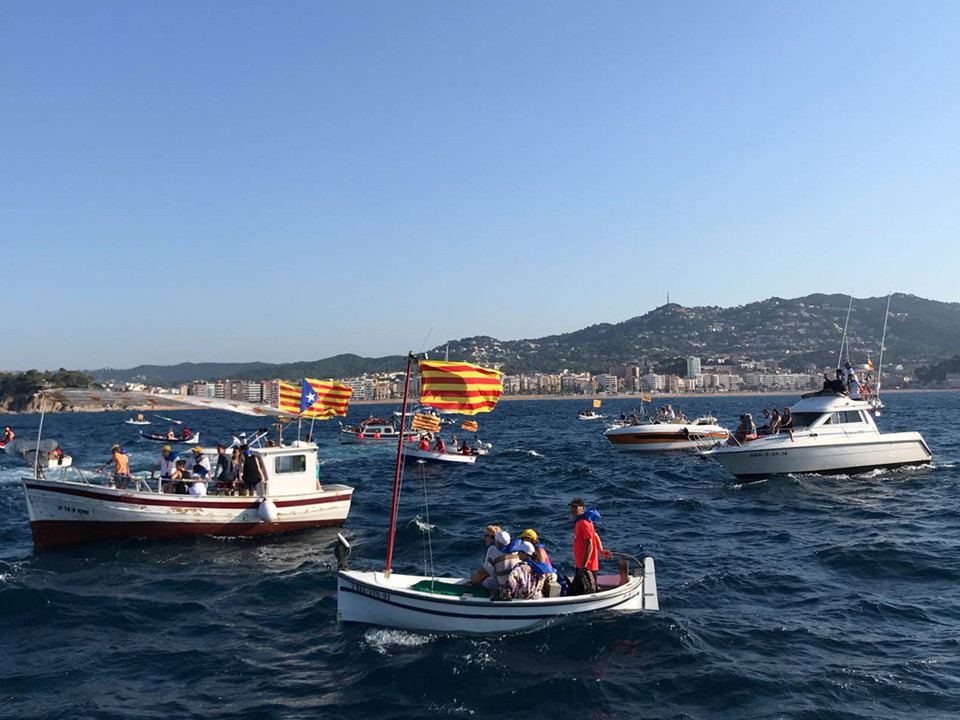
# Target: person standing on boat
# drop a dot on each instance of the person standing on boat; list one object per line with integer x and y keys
{"x": 235, "y": 442}
{"x": 7, "y": 435}
{"x": 121, "y": 467}
{"x": 587, "y": 548}
{"x": 167, "y": 462}
{"x": 440, "y": 446}
{"x": 226, "y": 471}
{"x": 252, "y": 473}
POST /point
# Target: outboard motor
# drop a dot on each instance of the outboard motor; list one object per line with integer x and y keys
{"x": 342, "y": 551}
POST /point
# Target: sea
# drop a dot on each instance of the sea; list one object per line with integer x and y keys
{"x": 794, "y": 597}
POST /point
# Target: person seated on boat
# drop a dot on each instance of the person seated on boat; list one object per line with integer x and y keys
{"x": 252, "y": 472}
{"x": 539, "y": 551}
{"x": 234, "y": 441}
{"x": 775, "y": 422}
{"x": 171, "y": 435}
{"x": 623, "y": 418}
{"x": 587, "y": 548}
{"x": 121, "y": 467}
{"x": 424, "y": 444}
{"x": 500, "y": 559}
{"x": 525, "y": 581}
{"x": 167, "y": 462}
{"x": 670, "y": 415}
{"x": 439, "y": 446}
{"x": 765, "y": 428}
{"x": 839, "y": 384}
{"x": 7, "y": 435}
{"x": 634, "y": 420}
{"x": 786, "y": 419}
{"x": 465, "y": 448}
{"x": 186, "y": 434}
{"x": 226, "y": 472}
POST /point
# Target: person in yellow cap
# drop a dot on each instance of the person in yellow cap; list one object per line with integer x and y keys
{"x": 540, "y": 552}
{"x": 167, "y": 462}
{"x": 201, "y": 464}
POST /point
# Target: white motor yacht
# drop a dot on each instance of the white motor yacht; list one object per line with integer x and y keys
{"x": 830, "y": 434}
{"x": 654, "y": 435}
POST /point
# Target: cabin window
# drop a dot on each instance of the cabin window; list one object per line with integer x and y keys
{"x": 290, "y": 464}
{"x": 851, "y": 416}
{"x": 805, "y": 419}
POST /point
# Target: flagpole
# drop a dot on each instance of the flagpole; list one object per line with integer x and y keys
{"x": 396, "y": 474}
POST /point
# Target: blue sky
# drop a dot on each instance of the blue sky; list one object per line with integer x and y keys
{"x": 221, "y": 181}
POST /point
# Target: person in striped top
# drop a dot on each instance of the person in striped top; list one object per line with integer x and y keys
{"x": 502, "y": 556}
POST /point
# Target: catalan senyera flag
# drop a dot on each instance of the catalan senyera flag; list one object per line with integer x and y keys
{"x": 315, "y": 399}
{"x": 428, "y": 423}
{"x": 459, "y": 387}
{"x": 470, "y": 426}
{"x": 596, "y": 403}
{"x": 645, "y": 398}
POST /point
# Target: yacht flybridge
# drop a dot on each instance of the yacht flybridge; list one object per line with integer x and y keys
{"x": 831, "y": 434}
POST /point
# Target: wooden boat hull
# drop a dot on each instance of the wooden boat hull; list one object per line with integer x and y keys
{"x": 368, "y": 597}
{"x": 664, "y": 436}
{"x": 63, "y": 513}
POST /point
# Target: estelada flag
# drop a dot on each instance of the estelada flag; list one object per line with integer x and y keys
{"x": 293, "y": 399}
{"x": 470, "y": 426}
{"x": 459, "y": 387}
{"x": 596, "y": 403}
{"x": 324, "y": 398}
{"x": 428, "y": 423}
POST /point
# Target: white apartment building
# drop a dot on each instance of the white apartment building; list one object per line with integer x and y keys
{"x": 693, "y": 367}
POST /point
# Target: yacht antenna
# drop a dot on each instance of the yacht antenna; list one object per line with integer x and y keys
{"x": 883, "y": 340}
{"x": 843, "y": 340}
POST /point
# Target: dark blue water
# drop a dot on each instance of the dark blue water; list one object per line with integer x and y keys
{"x": 795, "y": 597}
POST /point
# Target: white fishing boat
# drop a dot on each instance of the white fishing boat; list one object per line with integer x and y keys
{"x": 650, "y": 435}
{"x": 70, "y": 509}
{"x": 131, "y": 421}
{"x": 427, "y": 603}
{"x": 372, "y": 431}
{"x": 830, "y": 434}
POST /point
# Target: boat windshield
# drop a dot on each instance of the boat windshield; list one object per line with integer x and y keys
{"x": 805, "y": 419}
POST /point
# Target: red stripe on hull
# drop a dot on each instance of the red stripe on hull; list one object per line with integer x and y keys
{"x": 54, "y": 533}
{"x": 174, "y": 500}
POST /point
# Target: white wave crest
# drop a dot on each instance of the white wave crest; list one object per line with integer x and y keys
{"x": 382, "y": 641}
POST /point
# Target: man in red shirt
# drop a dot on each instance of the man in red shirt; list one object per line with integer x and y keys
{"x": 587, "y": 548}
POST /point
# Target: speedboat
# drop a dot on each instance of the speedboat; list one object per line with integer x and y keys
{"x": 372, "y": 431}
{"x": 830, "y": 434}
{"x": 70, "y": 509}
{"x": 651, "y": 435}
{"x": 46, "y": 453}
{"x": 133, "y": 421}
{"x": 588, "y": 415}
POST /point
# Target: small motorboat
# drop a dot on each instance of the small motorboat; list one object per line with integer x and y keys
{"x": 373, "y": 431}
{"x": 131, "y": 421}
{"x": 45, "y": 454}
{"x": 649, "y": 434}
{"x": 830, "y": 434}
{"x": 412, "y": 454}
{"x": 192, "y": 438}
{"x": 588, "y": 415}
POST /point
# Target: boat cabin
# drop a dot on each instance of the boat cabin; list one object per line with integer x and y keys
{"x": 288, "y": 470}
{"x": 828, "y": 414}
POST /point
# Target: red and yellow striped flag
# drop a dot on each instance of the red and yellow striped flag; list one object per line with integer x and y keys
{"x": 459, "y": 387}
{"x": 428, "y": 423}
{"x": 332, "y": 397}
{"x": 470, "y": 426}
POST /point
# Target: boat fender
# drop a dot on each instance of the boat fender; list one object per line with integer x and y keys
{"x": 267, "y": 511}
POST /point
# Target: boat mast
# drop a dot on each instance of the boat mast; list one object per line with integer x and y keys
{"x": 844, "y": 339}
{"x": 36, "y": 452}
{"x": 396, "y": 474}
{"x": 883, "y": 341}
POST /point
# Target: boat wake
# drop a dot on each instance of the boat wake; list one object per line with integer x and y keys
{"x": 384, "y": 641}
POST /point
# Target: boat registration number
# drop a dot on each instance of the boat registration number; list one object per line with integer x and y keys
{"x": 363, "y": 590}
{"x": 771, "y": 453}
{"x": 67, "y": 508}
